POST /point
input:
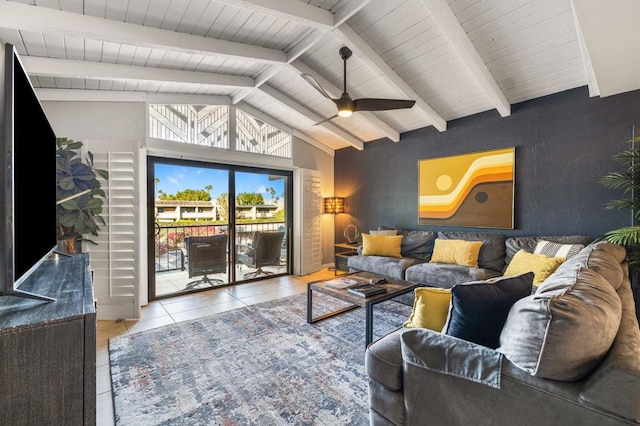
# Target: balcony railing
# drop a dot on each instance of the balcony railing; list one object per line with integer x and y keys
{"x": 169, "y": 240}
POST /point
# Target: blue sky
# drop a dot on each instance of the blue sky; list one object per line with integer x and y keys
{"x": 175, "y": 178}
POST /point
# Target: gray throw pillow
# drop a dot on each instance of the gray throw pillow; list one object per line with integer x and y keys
{"x": 565, "y": 329}
{"x": 417, "y": 244}
{"x": 602, "y": 257}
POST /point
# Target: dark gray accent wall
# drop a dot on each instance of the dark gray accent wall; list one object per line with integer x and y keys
{"x": 564, "y": 144}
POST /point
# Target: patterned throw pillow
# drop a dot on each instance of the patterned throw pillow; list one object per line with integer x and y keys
{"x": 557, "y": 250}
{"x": 387, "y": 232}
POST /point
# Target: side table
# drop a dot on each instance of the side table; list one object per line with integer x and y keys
{"x": 342, "y": 253}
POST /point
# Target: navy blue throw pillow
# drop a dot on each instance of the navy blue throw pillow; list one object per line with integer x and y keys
{"x": 479, "y": 309}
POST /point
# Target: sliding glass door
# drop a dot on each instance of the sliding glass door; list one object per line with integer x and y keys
{"x": 261, "y": 224}
{"x": 200, "y": 239}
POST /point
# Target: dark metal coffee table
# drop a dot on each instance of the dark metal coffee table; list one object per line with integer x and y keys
{"x": 395, "y": 287}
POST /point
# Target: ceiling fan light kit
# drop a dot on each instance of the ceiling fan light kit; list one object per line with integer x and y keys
{"x": 346, "y": 105}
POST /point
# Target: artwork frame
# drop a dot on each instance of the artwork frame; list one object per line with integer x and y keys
{"x": 475, "y": 189}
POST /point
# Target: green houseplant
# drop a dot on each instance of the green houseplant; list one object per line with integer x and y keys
{"x": 628, "y": 181}
{"x": 79, "y": 215}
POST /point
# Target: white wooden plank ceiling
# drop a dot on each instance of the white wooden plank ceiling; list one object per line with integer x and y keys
{"x": 454, "y": 58}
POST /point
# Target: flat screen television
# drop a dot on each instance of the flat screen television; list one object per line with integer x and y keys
{"x": 27, "y": 179}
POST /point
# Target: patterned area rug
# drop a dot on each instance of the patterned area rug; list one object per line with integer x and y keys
{"x": 258, "y": 365}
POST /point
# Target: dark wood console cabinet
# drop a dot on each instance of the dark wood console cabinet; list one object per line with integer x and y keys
{"x": 48, "y": 350}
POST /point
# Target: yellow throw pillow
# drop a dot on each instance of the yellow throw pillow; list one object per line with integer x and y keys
{"x": 381, "y": 245}
{"x": 457, "y": 252}
{"x": 541, "y": 265}
{"x": 430, "y": 308}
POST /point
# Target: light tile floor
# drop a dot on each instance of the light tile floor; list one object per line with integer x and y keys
{"x": 182, "y": 308}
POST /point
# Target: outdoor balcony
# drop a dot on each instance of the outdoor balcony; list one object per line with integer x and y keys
{"x": 171, "y": 272}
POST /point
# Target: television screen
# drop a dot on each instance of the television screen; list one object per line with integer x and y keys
{"x": 34, "y": 177}
{"x": 28, "y": 178}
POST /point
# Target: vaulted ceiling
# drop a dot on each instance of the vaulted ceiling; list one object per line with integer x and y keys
{"x": 455, "y": 58}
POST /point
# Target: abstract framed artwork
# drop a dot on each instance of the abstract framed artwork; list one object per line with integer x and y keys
{"x": 471, "y": 190}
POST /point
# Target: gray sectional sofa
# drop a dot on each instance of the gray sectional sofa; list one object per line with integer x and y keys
{"x": 569, "y": 354}
{"x": 417, "y": 247}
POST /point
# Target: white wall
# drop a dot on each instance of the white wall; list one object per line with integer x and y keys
{"x": 121, "y": 127}
{"x": 112, "y": 121}
{"x": 308, "y": 157}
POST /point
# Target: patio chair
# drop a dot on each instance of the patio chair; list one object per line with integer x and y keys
{"x": 206, "y": 255}
{"x": 264, "y": 250}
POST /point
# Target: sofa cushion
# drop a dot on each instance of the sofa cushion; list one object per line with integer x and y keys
{"x": 541, "y": 265}
{"x": 457, "y": 252}
{"x": 602, "y": 257}
{"x": 417, "y": 244}
{"x": 430, "y": 308}
{"x": 446, "y": 276}
{"x": 381, "y": 245}
{"x": 552, "y": 249}
{"x": 514, "y": 244}
{"x": 492, "y": 251}
{"x": 565, "y": 329}
{"x": 479, "y": 309}
{"x": 381, "y": 265}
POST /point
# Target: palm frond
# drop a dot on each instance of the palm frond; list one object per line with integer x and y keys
{"x": 616, "y": 180}
{"x": 626, "y": 236}
{"x": 628, "y": 156}
{"x": 619, "y": 204}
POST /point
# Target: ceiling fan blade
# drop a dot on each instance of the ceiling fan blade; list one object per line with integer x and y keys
{"x": 375, "y": 104}
{"x": 314, "y": 83}
{"x": 325, "y": 120}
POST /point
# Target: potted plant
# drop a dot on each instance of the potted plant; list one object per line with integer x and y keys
{"x": 628, "y": 181}
{"x": 81, "y": 193}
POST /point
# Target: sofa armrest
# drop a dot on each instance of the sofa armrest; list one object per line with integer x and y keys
{"x": 615, "y": 384}
{"x": 449, "y": 355}
{"x": 383, "y": 361}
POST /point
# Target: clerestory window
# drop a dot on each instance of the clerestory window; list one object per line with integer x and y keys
{"x": 254, "y": 135}
{"x": 208, "y": 125}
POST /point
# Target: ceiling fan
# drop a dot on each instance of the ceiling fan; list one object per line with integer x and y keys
{"x": 346, "y": 105}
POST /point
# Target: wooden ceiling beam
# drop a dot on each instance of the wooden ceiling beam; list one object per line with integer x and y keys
{"x": 292, "y": 10}
{"x": 50, "y": 67}
{"x": 450, "y": 26}
{"x": 34, "y": 18}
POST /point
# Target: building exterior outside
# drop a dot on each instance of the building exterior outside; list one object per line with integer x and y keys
{"x": 175, "y": 210}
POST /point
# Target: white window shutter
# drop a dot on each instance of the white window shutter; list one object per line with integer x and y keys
{"x": 114, "y": 259}
{"x": 307, "y": 221}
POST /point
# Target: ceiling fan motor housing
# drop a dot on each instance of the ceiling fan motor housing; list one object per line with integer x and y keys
{"x": 345, "y": 52}
{"x": 345, "y": 105}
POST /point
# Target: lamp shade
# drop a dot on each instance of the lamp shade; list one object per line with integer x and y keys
{"x": 334, "y": 205}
